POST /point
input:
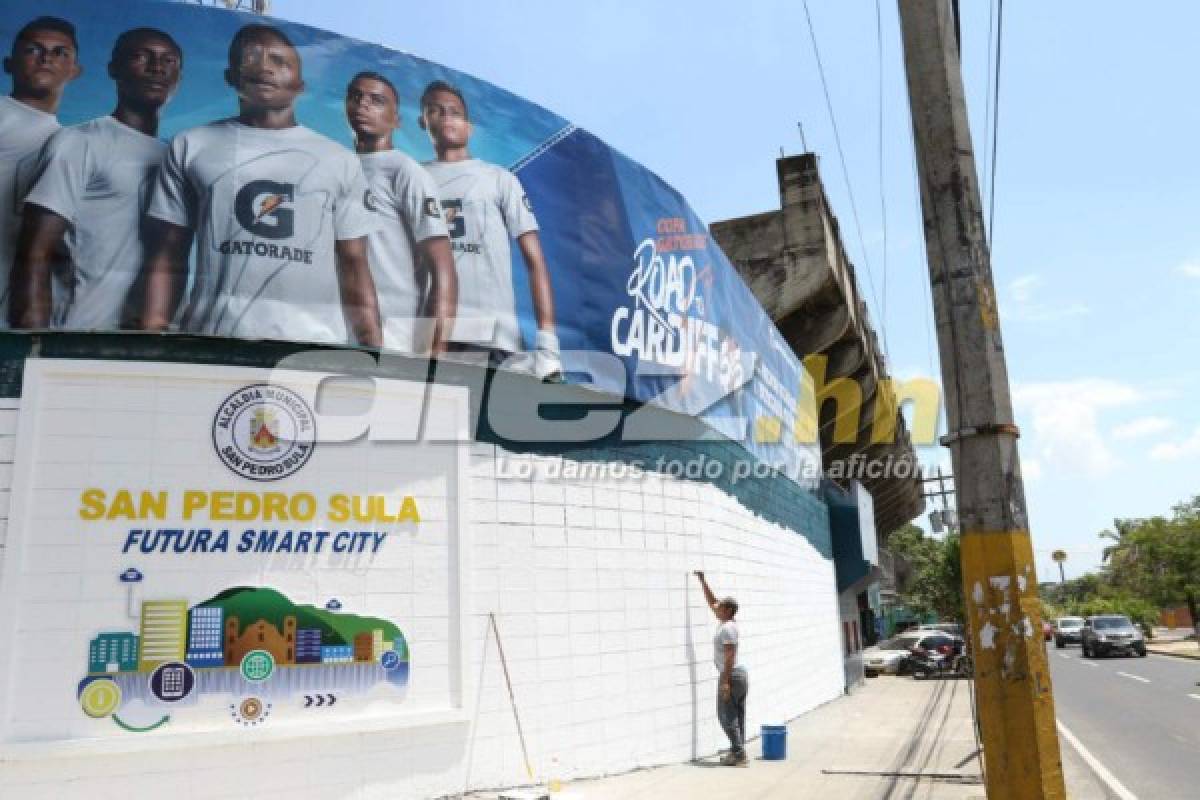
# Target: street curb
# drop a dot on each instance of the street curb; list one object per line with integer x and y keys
{"x": 1188, "y": 656}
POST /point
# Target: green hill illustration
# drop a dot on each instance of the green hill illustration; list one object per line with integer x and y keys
{"x": 250, "y": 604}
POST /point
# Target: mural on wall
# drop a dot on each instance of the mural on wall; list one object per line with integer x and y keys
{"x": 252, "y": 646}
{"x": 182, "y": 554}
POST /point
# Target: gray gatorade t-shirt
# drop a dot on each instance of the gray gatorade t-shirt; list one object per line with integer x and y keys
{"x": 266, "y": 206}
{"x": 97, "y": 176}
{"x": 23, "y": 131}
{"x": 486, "y": 208}
{"x": 405, "y": 197}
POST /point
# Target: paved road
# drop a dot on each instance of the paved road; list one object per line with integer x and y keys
{"x": 1140, "y": 717}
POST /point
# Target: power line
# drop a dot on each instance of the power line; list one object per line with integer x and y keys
{"x": 882, "y": 183}
{"x": 987, "y": 99}
{"x": 841, "y": 156}
{"x": 995, "y": 122}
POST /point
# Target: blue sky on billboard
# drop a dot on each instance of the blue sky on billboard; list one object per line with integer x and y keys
{"x": 1096, "y": 255}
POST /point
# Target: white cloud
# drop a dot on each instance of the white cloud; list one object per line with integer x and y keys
{"x": 1022, "y": 288}
{"x": 1031, "y": 469}
{"x": 1022, "y": 304}
{"x": 1063, "y": 422}
{"x": 1175, "y": 451}
{"x": 1142, "y": 426}
{"x": 1189, "y": 269}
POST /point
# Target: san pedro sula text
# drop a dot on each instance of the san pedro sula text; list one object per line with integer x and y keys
{"x": 242, "y": 506}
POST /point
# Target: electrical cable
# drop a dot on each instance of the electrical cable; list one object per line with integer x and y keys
{"x": 883, "y": 326}
{"x": 995, "y": 124}
{"x": 841, "y": 154}
{"x": 987, "y": 99}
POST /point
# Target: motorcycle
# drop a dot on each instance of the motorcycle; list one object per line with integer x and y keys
{"x": 945, "y": 661}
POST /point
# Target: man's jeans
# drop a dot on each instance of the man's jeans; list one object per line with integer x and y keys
{"x": 732, "y": 712}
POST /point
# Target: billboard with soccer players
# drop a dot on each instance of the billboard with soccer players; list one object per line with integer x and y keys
{"x": 171, "y": 168}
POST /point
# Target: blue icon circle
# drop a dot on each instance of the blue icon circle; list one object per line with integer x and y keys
{"x": 390, "y": 659}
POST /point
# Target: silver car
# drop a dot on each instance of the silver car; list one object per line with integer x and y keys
{"x": 1112, "y": 633}
{"x": 1068, "y": 630}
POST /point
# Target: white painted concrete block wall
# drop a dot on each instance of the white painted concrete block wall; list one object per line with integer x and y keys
{"x": 608, "y": 644}
{"x": 609, "y": 639}
{"x": 8, "y": 441}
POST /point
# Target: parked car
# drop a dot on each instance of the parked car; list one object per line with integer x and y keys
{"x": 891, "y": 656}
{"x": 952, "y": 628}
{"x": 1067, "y": 630}
{"x": 1111, "y": 633}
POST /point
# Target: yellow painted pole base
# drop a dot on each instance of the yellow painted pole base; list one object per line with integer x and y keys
{"x": 1012, "y": 676}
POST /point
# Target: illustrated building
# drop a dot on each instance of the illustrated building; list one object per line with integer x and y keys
{"x": 363, "y": 646}
{"x": 308, "y": 646}
{"x": 204, "y": 637}
{"x": 113, "y": 652}
{"x": 376, "y": 644}
{"x": 163, "y": 633}
{"x": 336, "y": 654}
{"x": 260, "y": 635}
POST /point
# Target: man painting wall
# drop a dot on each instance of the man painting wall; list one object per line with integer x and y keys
{"x": 734, "y": 683}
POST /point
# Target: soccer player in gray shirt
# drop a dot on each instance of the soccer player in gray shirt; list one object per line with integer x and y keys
{"x": 277, "y": 211}
{"x": 486, "y": 208}
{"x": 410, "y": 253}
{"x": 90, "y": 191}
{"x": 43, "y": 61}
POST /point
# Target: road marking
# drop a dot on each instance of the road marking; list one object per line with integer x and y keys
{"x": 1194, "y": 696}
{"x": 1114, "y": 785}
{"x": 1089, "y": 663}
{"x": 1134, "y": 677}
{"x": 1060, "y": 655}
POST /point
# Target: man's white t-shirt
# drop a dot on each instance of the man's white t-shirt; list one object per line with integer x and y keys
{"x": 486, "y": 208}
{"x": 266, "y": 206}
{"x": 23, "y": 131}
{"x": 97, "y": 176}
{"x": 727, "y": 633}
{"x": 405, "y": 197}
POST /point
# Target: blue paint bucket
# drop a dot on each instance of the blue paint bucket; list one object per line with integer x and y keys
{"x": 774, "y": 742}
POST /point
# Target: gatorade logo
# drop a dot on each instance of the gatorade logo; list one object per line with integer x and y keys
{"x": 264, "y": 209}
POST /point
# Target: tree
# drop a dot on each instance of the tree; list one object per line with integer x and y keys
{"x": 1158, "y": 558}
{"x": 936, "y": 581}
{"x": 1123, "y": 548}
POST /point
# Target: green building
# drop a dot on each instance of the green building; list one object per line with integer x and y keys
{"x": 113, "y": 652}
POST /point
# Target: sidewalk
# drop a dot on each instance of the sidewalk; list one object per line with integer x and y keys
{"x": 1180, "y": 649}
{"x": 892, "y": 738}
{"x": 1179, "y": 642}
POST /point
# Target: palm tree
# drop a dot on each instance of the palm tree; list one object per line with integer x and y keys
{"x": 1124, "y": 551}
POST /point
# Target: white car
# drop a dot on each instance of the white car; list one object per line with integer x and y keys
{"x": 890, "y": 656}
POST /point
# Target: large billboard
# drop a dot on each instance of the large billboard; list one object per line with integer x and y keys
{"x": 167, "y": 168}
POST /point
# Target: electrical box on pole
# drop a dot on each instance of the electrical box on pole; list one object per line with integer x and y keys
{"x": 1012, "y": 678}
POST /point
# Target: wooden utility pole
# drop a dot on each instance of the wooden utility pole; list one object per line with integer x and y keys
{"x": 1012, "y": 679}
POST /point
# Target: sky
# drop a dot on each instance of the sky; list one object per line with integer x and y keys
{"x": 1095, "y": 251}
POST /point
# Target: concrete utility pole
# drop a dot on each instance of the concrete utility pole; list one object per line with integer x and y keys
{"x": 1016, "y": 705}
